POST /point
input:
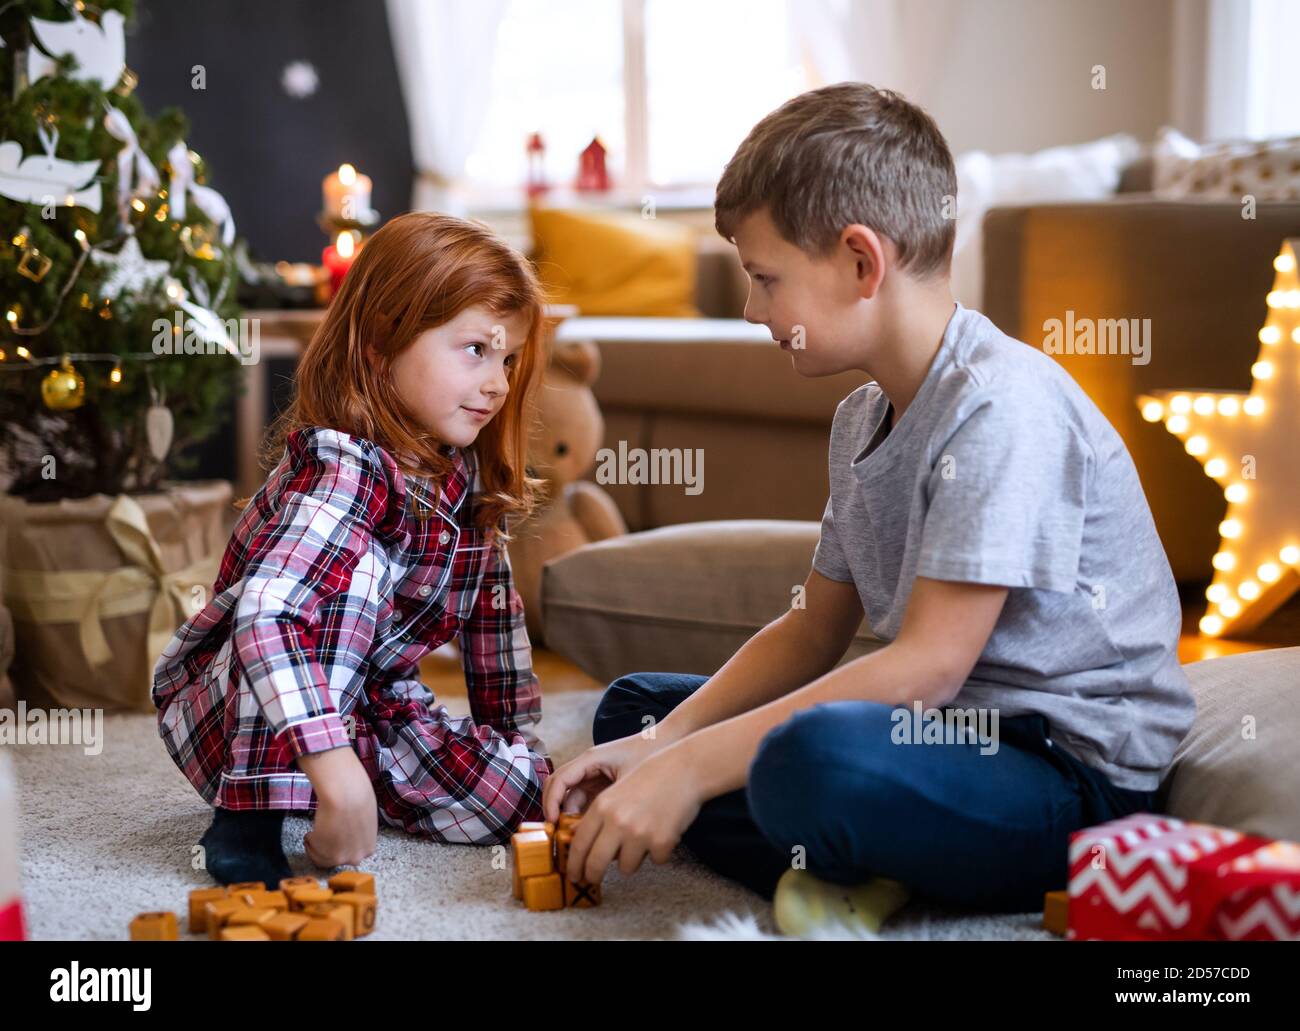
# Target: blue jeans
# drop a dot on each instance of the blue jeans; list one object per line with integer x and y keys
{"x": 958, "y": 827}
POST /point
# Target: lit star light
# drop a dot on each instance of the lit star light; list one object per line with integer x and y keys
{"x": 1249, "y": 443}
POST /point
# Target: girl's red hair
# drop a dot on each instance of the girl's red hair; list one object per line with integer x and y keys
{"x": 417, "y": 272}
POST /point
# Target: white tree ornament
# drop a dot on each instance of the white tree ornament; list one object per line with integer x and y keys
{"x": 206, "y": 199}
{"x": 35, "y": 179}
{"x": 99, "y": 50}
{"x": 129, "y": 270}
{"x": 131, "y": 156}
{"x": 203, "y": 321}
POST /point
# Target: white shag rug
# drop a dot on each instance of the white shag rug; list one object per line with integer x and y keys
{"x": 104, "y": 837}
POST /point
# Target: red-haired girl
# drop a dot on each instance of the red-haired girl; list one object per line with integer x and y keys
{"x": 378, "y": 536}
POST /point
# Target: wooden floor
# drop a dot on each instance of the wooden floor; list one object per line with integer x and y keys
{"x": 443, "y": 675}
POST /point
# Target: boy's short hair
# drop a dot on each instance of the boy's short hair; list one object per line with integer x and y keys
{"x": 845, "y": 154}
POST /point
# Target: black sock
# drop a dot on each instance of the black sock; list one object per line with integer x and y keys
{"x": 244, "y": 845}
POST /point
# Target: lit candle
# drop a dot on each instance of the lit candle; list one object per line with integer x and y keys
{"x": 337, "y": 258}
{"x": 347, "y": 194}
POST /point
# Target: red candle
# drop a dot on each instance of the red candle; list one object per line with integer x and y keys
{"x": 337, "y": 259}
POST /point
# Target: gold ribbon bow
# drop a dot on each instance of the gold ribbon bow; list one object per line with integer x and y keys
{"x": 89, "y": 596}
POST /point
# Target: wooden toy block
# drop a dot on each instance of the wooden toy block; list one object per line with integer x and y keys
{"x": 364, "y": 907}
{"x": 1056, "y": 912}
{"x": 301, "y": 898}
{"x": 284, "y": 927}
{"x": 563, "y": 839}
{"x": 319, "y": 929}
{"x": 544, "y": 892}
{"x": 353, "y": 881}
{"x": 245, "y": 933}
{"x": 154, "y": 927}
{"x": 580, "y": 894}
{"x": 218, "y": 911}
{"x": 569, "y": 821}
{"x": 290, "y": 884}
{"x": 199, "y": 898}
{"x": 533, "y": 854}
{"x": 527, "y": 826}
{"x": 516, "y": 882}
{"x": 249, "y": 915}
{"x": 276, "y": 900}
{"x": 341, "y": 913}
{"x": 243, "y": 886}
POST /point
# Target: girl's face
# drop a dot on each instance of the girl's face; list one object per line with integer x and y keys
{"x": 455, "y": 377}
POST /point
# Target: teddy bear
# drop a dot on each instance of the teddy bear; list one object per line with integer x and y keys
{"x": 572, "y": 511}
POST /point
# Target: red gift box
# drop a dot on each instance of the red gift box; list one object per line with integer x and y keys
{"x": 1155, "y": 878}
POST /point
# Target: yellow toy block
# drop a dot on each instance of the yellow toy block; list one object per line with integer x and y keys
{"x": 533, "y": 854}
{"x": 154, "y": 927}
{"x": 544, "y": 892}
{"x": 341, "y": 913}
{"x": 284, "y": 927}
{"x": 528, "y": 826}
{"x": 364, "y": 908}
{"x": 243, "y": 886}
{"x": 355, "y": 881}
{"x": 245, "y": 933}
{"x": 249, "y": 916}
{"x": 290, "y": 884}
{"x": 199, "y": 898}
{"x": 1056, "y": 912}
{"x": 580, "y": 894}
{"x": 301, "y": 898}
{"x": 318, "y": 929}
{"x": 563, "y": 839}
{"x": 276, "y": 900}
{"x": 218, "y": 912}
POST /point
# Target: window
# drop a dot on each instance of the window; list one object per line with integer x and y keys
{"x": 1273, "y": 91}
{"x": 669, "y": 86}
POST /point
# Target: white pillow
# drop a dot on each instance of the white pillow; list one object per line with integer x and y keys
{"x": 1086, "y": 171}
{"x": 1265, "y": 169}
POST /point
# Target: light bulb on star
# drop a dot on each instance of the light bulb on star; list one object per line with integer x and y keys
{"x": 1246, "y": 442}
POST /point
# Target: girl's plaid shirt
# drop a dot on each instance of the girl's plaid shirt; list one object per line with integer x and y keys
{"x": 339, "y": 576}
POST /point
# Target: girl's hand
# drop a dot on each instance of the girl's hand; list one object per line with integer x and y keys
{"x": 646, "y": 812}
{"x": 347, "y": 816}
{"x": 574, "y": 785}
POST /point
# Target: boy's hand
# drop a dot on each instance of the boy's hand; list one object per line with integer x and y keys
{"x": 574, "y": 785}
{"x": 347, "y": 816}
{"x": 646, "y": 812}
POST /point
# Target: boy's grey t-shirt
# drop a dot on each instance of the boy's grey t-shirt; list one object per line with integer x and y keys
{"x": 1003, "y": 471}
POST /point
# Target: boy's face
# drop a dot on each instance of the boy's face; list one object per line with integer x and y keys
{"x": 455, "y": 377}
{"x": 813, "y": 307}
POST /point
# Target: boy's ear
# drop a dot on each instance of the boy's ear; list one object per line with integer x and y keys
{"x": 867, "y": 250}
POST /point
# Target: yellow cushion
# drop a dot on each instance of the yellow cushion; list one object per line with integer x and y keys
{"x": 615, "y": 263}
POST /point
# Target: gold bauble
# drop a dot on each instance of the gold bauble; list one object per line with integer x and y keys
{"x": 63, "y": 388}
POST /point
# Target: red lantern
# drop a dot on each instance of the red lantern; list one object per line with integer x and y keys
{"x": 592, "y": 174}
{"x": 536, "y": 150}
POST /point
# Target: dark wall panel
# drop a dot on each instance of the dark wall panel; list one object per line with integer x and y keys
{"x": 269, "y": 150}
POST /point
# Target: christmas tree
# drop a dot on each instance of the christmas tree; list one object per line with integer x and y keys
{"x": 118, "y": 348}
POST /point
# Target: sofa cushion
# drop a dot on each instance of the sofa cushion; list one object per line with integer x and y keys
{"x": 1229, "y": 170}
{"x": 1239, "y": 766}
{"x": 680, "y": 599}
{"x": 615, "y": 263}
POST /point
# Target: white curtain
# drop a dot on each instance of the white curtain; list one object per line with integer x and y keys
{"x": 1235, "y": 74}
{"x": 445, "y": 52}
